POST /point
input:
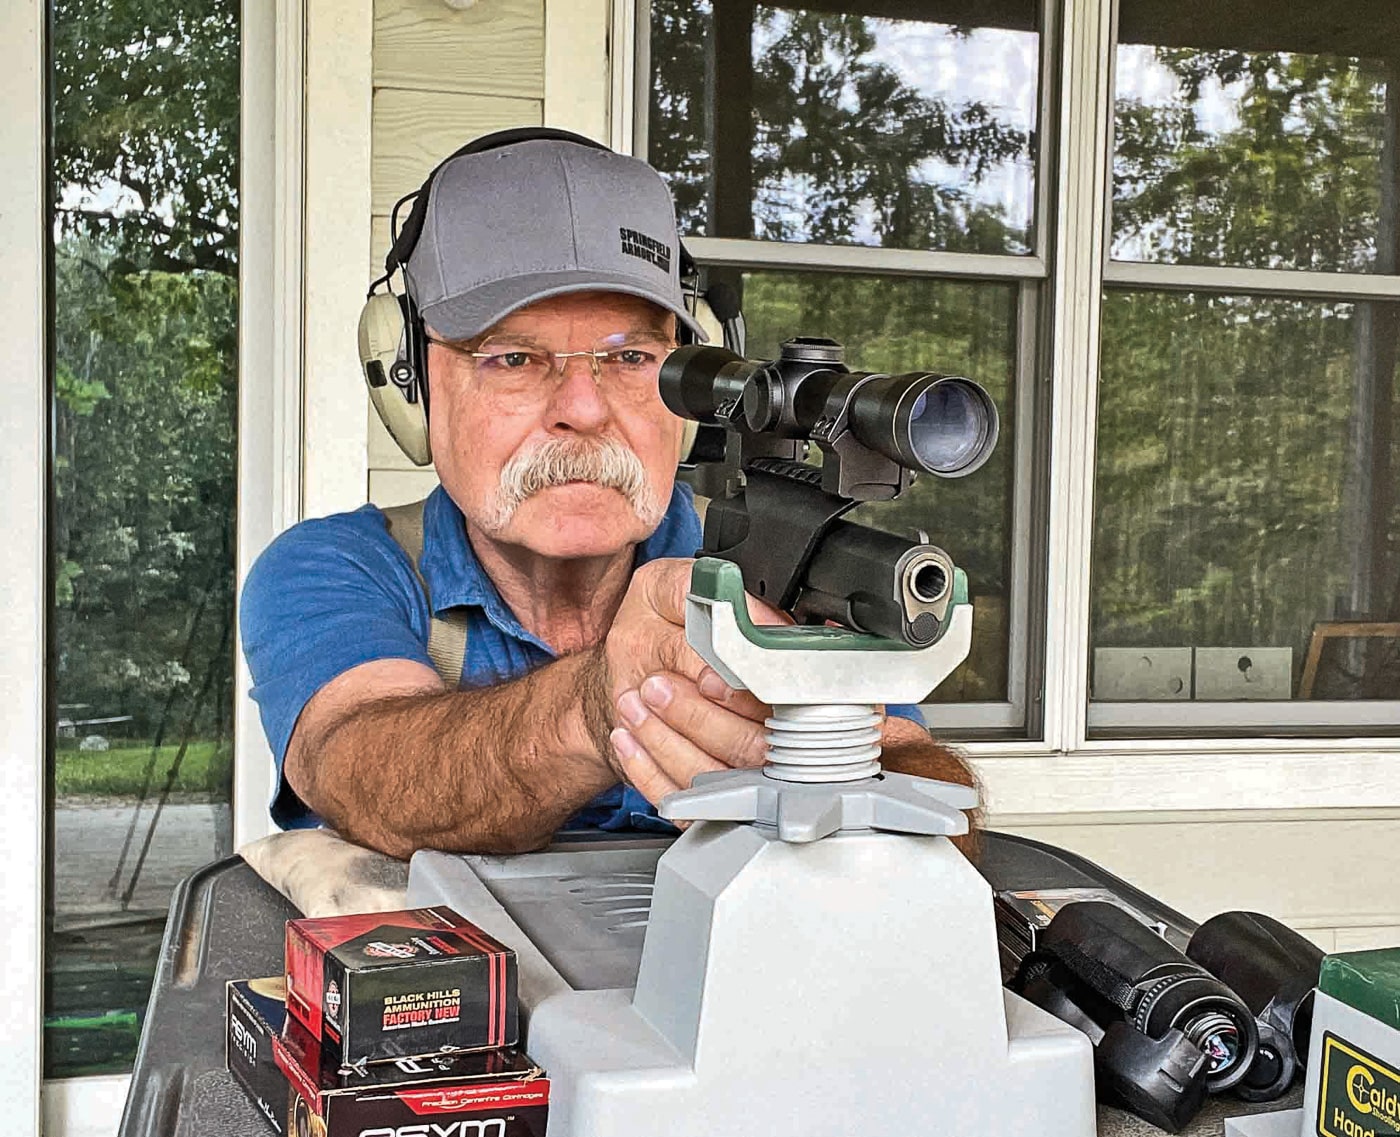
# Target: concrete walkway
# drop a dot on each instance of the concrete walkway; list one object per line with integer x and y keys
{"x": 88, "y": 842}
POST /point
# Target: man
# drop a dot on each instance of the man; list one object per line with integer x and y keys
{"x": 558, "y": 527}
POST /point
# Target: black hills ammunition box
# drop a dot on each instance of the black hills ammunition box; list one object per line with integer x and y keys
{"x": 482, "y": 1093}
{"x": 396, "y": 984}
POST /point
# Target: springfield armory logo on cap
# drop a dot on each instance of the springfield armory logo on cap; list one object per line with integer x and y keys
{"x": 649, "y": 249}
{"x": 1360, "y": 1094}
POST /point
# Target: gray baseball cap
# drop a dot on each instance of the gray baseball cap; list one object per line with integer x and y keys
{"x": 511, "y": 225}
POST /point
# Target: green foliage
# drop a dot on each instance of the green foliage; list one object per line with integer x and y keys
{"x": 833, "y": 121}
{"x": 144, "y": 485}
{"x": 145, "y": 141}
{"x": 206, "y": 771}
{"x": 145, "y": 130}
{"x": 1296, "y": 184}
{"x": 839, "y": 143}
{"x": 1223, "y": 441}
{"x": 1230, "y": 508}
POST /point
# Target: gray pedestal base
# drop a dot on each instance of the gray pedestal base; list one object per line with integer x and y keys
{"x": 848, "y": 985}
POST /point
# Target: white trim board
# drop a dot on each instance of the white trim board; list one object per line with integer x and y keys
{"x": 270, "y": 300}
{"x": 335, "y": 149}
{"x": 1132, "y": 780}
{"x": 305, "y": 240}
{"x": 85, "y": 1107}
{"x": 1324, "y": 874}
{"x": 1252, "y": 281}
{"x": 23, "y": 466}
{"x": 792, "y": 257}
{"x": 578, "y": 81}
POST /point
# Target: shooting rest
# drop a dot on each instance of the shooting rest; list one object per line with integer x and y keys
{"x": 844, "y": 979}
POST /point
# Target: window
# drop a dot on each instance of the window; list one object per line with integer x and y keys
{"x": 1245, "y": 561}
{"x": 874, "y": 177}
{"x": 145, "y": 134}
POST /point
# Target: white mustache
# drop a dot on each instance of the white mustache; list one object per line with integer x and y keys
{"x": 556, "y": 462}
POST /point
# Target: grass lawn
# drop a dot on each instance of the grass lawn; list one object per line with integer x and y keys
{"x": 118, "y": 772}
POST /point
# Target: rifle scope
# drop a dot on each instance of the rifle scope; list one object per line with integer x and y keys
{"x": 945, "y": 425}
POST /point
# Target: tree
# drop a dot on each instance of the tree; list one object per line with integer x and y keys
{"x": 146, "y": 113}
{"x": 144, "y": 433}
{"x": 145, "y": 130}
{"x": 1230, "y": 506}
{"x": 840, "y": 144}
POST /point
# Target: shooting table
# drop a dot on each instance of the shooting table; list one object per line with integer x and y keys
{"x": 226, "y": 923}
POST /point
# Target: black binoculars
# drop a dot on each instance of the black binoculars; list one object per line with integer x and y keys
{"x": 1231, "y": 1014}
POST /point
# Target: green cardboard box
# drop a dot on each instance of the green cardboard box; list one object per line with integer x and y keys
{"x": 1353, "y": 1086}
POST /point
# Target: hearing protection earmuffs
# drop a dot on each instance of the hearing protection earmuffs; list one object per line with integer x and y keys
{"x": 392, "y": 342}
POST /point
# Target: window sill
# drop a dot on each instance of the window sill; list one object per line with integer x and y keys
{"x": 1188, "y": 775}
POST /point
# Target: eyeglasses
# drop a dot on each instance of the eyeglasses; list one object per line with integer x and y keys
{"x": 625, "y": 364}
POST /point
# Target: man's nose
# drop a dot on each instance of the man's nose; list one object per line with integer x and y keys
{"x": 578, "y": 402}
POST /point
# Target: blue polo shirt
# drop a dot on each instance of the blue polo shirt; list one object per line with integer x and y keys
{"x": 332, "y": 593}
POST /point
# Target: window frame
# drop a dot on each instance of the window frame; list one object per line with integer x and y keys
{"x": 305, "y": 142}
{"x": 1149, "y": 719}
{"x": 302, "y": 447}
{"x": 24, "y": 467}
{"x": 1029, "y": 272}
{"x": 1063, "y": 769}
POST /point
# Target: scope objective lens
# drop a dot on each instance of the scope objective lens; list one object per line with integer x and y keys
{"x": 1216, "y": 1036}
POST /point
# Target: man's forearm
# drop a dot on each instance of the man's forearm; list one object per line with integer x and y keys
{"x": 492, "y": 770}
{"x": 909, "y": 749}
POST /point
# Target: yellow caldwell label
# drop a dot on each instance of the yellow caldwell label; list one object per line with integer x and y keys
{"x": 1360, "y": 1095}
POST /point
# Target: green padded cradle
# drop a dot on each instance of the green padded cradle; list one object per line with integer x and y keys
{"x": 714, "y": 579}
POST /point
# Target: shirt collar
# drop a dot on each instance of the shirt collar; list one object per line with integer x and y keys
{"x": 456, "y": 579}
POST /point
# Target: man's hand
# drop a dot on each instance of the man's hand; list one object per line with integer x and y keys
{"x": 678, "y": 718}
{"x": 677, "y": 729}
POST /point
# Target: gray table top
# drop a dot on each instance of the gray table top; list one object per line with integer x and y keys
{"x": 226, "y": 923}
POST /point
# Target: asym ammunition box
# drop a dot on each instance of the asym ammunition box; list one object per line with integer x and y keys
{"x": 396, "y": 984}
{"x": 483, "y": 1093}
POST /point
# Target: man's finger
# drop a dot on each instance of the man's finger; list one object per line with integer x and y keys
{"x": 761, "y": 612}
{"x": 744, "y": 703}
{"x": 679, "y": 758}
{"x": 666, "y": 583}
{"x": 712, "y": 731}
{"x": 641, "y": 769}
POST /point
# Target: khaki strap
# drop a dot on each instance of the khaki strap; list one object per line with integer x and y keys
{"x": 447, "y": 633}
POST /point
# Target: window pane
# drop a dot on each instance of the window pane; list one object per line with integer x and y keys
{"x": 898, "y": 325}
{"x": 1261, "y": 136}
{"x": 1246, "y": 496}
{"x": 841, "y": 125}
{"x": 145, "y": 139}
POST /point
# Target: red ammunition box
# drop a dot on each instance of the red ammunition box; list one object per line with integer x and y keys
{"x": 397, "y": 984}
{"x": 491, "y": 1093}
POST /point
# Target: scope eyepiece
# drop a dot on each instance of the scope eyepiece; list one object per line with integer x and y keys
{"x": 1185, "y": 998}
